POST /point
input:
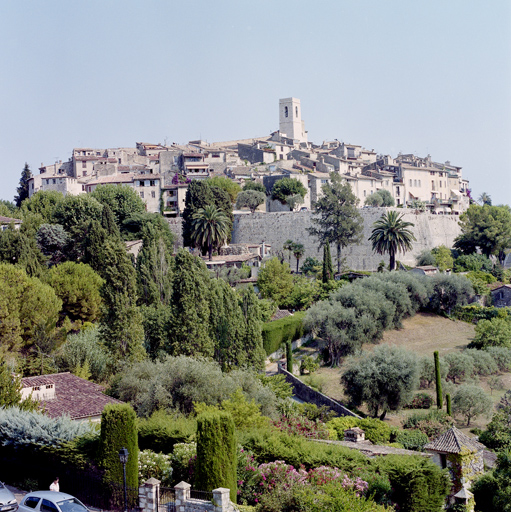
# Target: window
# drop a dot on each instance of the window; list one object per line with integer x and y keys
{"x": 84, "y": 173}
{"x": 31, "y": 502}
{"x": 49, "y": 386}
{"x": 410, "y": 183}
{"x": 419, "y": 183}
{"x": 141, "y": 183}
{"x": 36, "y": 388}
{"x": 397, "y": 192}
{"x": 119, "y": 160}
{"x": 414, "y": 183}
{"x": 296, "y": 110}
{"x": 364, "y": 193}
{"x": 152, "y": 183}
{"x": 286, "y": 113}
{"x": 440, "y": 183}
{"x": 97, "y": 153}
{"x": 48, "y": 506}
{"x": 153, "y": 194}
{"x": 443, "y": 460}
{"x": 142, "y": 195}
{"x": 83, "y": 188}
{"x": 84, "y": 164}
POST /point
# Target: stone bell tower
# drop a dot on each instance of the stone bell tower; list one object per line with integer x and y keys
{"x": 290, "y": 119}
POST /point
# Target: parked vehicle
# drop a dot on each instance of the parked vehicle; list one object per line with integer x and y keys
{"x": 7, "y": 499}
{"x": 51, "y": 501}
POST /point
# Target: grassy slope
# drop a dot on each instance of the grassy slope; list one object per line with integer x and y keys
{"x": 423, "y": 334}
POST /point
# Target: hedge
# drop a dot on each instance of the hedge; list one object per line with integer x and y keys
{"x": 286, "y": 329}
{"x": 474, "y": 313}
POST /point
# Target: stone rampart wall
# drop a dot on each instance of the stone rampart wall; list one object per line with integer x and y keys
{"x": 275, "y": 228}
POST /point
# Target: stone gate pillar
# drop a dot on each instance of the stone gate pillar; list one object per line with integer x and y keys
{"x": 221, "y": 500}
{"x": 148, "y": 495}
{"x": 182, "y": 495}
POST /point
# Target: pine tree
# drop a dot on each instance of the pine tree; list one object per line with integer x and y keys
{"x": 190, "y": 330}
{"x": 328, "y": 271}
{"x": 10, "y": 389}
{"x": 438, "y": 381}
{"x": 216, "y": 452}
{"x": 252, "y": 335}
{"x": 22, "y": 189}
{"x": 289, "y": 357}
{"x": 119, "y": 430}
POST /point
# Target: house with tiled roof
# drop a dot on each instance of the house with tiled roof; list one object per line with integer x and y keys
{"x": 5, "y": 222}
{"x": 65, "y": 394}
{"x": 464, "y": 457}
{"x": 501, "y": 296}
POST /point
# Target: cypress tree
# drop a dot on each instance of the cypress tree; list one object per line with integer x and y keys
{"x": 252, "y": 335}
{"x": 122, "y": 324}
{"x": 439, "y": 401}
{"x": 448, "y": 401}
{"x": 108, "y": 222}
{"x": 227, "y": 325}
{"x": 289, "y": 357}
{"x": 190, "y": 329}
{"x": 328, "y": 271}
{"x": 216, "y": 452}
{"x": 119, "y": 430}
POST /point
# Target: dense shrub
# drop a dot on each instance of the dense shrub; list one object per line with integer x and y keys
{"x": 412, "y": 439}
{"x": 183, "y": 461}
{"x": 492, "y": 333}
{"x": 281, "y": 331}
{"x": 154, "y": 465}
{"x": 216, "y": 453}
{"x": 175, "y": 383}
{"x": 418, "y": 484}
{"x": 119, "y": 430}
{"x": 19, "y": 428}
{"x": 448, "y": 291}
{"x": 484, "y": 363}
{"x": 432, "y": 423}
{"x": 420, "y": 401}
{"x": 376, "y": 431}
{"x": 468, "y": 262}
{"x": 474, "y": 312}
{"x": 269, "y": 445}
{"x": 161, "y": 431}
{"x": 501, "y": 356}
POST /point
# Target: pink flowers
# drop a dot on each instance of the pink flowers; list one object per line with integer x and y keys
{"x": 302, "y": 427}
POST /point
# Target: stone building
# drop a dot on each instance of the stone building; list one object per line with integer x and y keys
{"x": 463, "y": 456}
{"x": 501, "y": 296}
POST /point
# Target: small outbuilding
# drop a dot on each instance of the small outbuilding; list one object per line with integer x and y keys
{"x": 501, "y": 296}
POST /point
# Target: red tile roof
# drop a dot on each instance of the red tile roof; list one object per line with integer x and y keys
{"x": 75, "y": 397}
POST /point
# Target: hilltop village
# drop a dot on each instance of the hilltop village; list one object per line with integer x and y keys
{"x": 160, "y": 173}
{"x": 258, "y": 325}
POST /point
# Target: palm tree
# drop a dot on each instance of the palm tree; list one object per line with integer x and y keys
{"x": 484, "y": 199}
{"x": 288, "y": 246}
{"x": 391, "y": 234}
{"x": 209, "y": 228}
{"x": 298, "y": 250}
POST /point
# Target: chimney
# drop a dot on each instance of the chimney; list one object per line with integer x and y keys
{"x": 354, "y": 435}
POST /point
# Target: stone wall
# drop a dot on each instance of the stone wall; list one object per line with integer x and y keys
{"x": 275, "y": 228}
{"x": 307, "y": 394}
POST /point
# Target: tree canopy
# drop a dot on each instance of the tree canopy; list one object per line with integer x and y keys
{"x": 383, "y": 379}
{"x": 122, "y": 200}
{"x": 487, "y": 228}
{"x": 275, "y": 281}
{"x": 336, "y": 219}
{"x": 287, "y": 187}
{"x": 22, "y": 189}
{"x": 250, "y": 199}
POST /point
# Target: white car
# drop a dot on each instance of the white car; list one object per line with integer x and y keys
{"x": 51, "y": 501}
{"x": 7, "y": 499}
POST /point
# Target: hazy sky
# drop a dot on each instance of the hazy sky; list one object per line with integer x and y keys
{"x": 413, "y": 76}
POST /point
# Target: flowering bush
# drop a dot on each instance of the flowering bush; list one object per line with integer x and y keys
{"x": 420, "y": 401}
{"x": 248, "y": 473}
{"x": 154, "y": 465}
{"x": 183, "y": 461}
{"x": 302, "y": 426}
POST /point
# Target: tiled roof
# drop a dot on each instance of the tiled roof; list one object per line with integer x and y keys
{"x": 8, "y": 220}
{"x": 281, "y": 313}
{"x": 74, "y": 397}
{"x": 453, "y": 441}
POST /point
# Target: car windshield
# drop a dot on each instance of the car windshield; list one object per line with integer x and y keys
{"x": 71, "y": 505}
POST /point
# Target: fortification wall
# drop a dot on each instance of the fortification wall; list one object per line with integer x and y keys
{"x": 277, "y": 227}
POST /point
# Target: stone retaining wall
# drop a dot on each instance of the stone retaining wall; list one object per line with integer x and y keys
{"x": 307, "y": 394}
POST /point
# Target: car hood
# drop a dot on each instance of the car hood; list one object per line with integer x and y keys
{"x": 5, "y": 496}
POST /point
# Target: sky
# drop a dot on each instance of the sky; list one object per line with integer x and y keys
{"x": 423, "y": 77}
